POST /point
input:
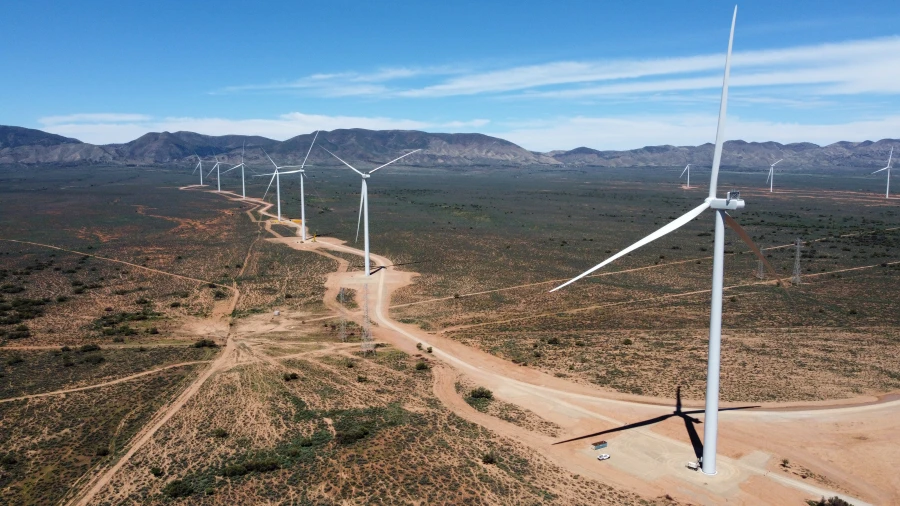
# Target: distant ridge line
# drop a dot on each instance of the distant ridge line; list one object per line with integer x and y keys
{"x": 27, "y": 146}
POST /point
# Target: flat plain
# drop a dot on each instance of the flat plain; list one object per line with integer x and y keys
{"x": 141, "y": 358}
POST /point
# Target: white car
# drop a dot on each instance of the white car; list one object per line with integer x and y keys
{"x": 603, "y": 456}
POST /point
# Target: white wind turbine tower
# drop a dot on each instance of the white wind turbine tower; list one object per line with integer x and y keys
{"x": 218, "y": 178}
{"x": 367, "y": 344}
{"x": 241, "y": 165}
{"x": 199, "y": 166}
{"x": 720, "y": 205}
{"x": 687, "y": 169}
{"x": 302, "y": 192}
{"x": 364, "y": 202}
{"x": 771, "y": 178}
{"x": 887, "y": 192}
{"x": 276, "y": 176}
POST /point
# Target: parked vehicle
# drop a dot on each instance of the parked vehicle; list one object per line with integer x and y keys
{"x": 603, "y": 456}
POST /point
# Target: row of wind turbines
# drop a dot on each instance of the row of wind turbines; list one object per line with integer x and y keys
{"x": 720, "y": 206}
{"x": 770, "y": 178}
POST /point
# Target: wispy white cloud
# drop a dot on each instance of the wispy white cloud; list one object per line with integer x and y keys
{"x": 94, "y": 118}
{"x": 344, "y": 83}
{"x": 853, "y": 67}
{"x": 113, "y": 128}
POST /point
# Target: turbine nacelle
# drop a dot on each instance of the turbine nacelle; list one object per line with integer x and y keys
{"x": 732, "y": 202}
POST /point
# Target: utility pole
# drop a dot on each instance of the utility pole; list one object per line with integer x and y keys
{"x": 368, "y": 345}
{"x": 795, "y": 279}
{"x": 343, "y": 331}
{"x": 760, "y": 268}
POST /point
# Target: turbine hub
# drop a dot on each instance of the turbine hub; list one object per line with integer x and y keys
{"x": 366, "y": 176}
{"x": 732, "y": 202}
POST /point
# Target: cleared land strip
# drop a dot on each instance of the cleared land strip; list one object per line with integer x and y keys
{"x": 118, "y": 261}
{"x": 105, "y": 383}
{"x": 651, "y": 299}
{"x": 647, "y": 267}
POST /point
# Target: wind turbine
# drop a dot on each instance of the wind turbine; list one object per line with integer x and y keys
{"x": 218, "y": 178}
{"x": 771, "y": 178}
{"x": 364, "y": 202}
{"x": 241, "y": 165}
{"x": 887, "y": 192}
{"x": 687, "y": 169}
{"x": 302, "y": 193}
{"x": 732, "y": 201}
{"x": 199, "y": 166}
{"x": 276, "y": 176}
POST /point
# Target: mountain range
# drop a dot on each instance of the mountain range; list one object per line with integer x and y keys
{"x": 28, "y": 146}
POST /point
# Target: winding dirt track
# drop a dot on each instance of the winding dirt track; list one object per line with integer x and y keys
{"x": 809, "y": 433}
{"x": 105, "y": 383}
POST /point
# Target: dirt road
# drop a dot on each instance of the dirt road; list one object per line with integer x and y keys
{"x": 649, "y": 460}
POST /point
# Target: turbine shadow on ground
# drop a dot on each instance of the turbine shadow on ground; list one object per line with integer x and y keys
{"x": 689, "y": 422}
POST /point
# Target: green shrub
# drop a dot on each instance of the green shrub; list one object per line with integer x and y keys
{"x": 833, "y": 501}
{"x": 351, "y": 436}
{"x": 259, "y": 466}
{"x": 93, "y": 359}
{"x": 627, "y": 342}
{"x": 205, "y": 343}
{"x": 481, "y": 393}
{"x": 176, "y": 489}
{"x": 553, "y": 340}
{"x": 220, "y": 433}
{"x": 421, "y": 365}
{"x": 489, "y": 458}
{"x": 290, "y": 376}
{"x": 88, "y": 347}
{"x": 102, "y": 451}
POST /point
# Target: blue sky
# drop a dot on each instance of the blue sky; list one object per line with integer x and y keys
{"x": 546, "y": 75}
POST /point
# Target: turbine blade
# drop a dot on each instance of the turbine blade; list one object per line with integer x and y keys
{"x": 211, "y": 170}
{"x": 231, "y": 169}
{"x": 739, "y": 230}
{"x": 879, "y": 170}
{"x": 395, "y": 159}
{"x": 270, "y": 159}
{"x": 769, "y": 175}
{"x": 776, "y": 163}
{"x": 289, "y": 172}
{"x": 685, "y": 170}
{"x": 345, "y": 163}
{"x": 313, "y": 143}
{"x": 671, "y": 227}
{"x": 723, "y": 106}
{"x": 195, "y": 168}
{"x": 270, "y": 185}
{"x": 891, "y": 155}
{"x": 362, "y": 198}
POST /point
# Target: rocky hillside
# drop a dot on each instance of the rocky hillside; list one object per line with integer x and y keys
{"x": 739, "y": 154}
{"x": 365, "y": 148}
